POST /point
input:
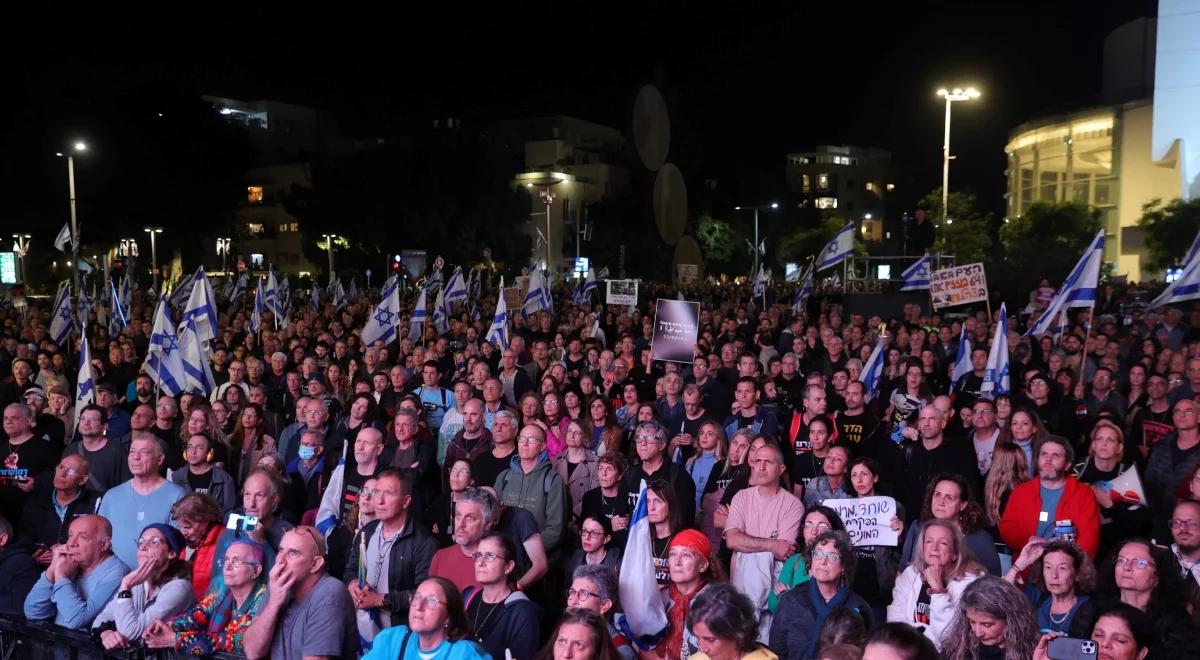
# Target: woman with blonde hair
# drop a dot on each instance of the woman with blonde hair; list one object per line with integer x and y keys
{"x": 709, "y": 458}
{"x": 1008, "y": 471}
{"x": 201, "y": 419}
{"x": 928, "y": 591}
{"x": 1120, "y": 517}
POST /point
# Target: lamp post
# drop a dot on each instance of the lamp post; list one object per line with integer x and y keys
{"x": 153, "y": 231}
{"x": 548, "y": 199}
{"x": 956, "y": 94}
{"x": 223, "y": 245}
{"x": 329, "y": 248}
{"x": 21, "y": 245}
{"x": 78, "y": 147}
{"x": 755, "y": 248}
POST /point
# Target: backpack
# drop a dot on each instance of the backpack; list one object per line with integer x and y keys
{"x": 547, "y": 480}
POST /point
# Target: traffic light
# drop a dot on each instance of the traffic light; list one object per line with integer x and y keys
{"x": 396, "y": 263}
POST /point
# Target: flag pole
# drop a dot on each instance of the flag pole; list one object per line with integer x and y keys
{"x": 1087, "y": 336}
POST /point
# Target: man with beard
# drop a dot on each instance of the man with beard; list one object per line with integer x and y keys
{"x": 143, "y": 393}
{"x": 1039, "y": 507}
{"x": 1185, "y": 530}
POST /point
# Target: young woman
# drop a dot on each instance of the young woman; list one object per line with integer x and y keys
{"x": 577, "y": 465}
{"x": 595, "y": 534}
{"x": 226, "y": 420}
{"x": 927, "y": 592}
{"x": 337, "y": 383}
{"x": 907, "y": 400}
{"x": 441, "y": 512}
{"x": 504, "y": 619}
{"x": 235, "y": 400}
{"x": 702, "y": 465}
{"x": 992, "y": 622}
{"x": 249, "y": 440}
{"x": 1003, "y": 410}
{"x": 1008, "y": 471}
{"x": 554, "y": 422}
{"x": 662, "y": 512}
{"x": 802, "y": 611}
{"x": 581, "y": 635}
{"x": 201, "y": 419}
{"x": 607, "y": 500}
{"x": 437, "y": 628}
{"x": 1106, "y": 460}
{"x": 725, "y": 625}
{"x": 877, "y": 564}
{"x": 606, "y": 430}
{"x": 156, "y": 589}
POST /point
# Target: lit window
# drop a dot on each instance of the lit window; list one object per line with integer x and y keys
{"x": 823, "y": 181}
{"x": 295, "y": 226}
{"x": 256, "y": 260}
{"x": 827, "y": 202}
{"x": 891, "y": 187}
{"x": 870, "y": 186}
{"x": 254, "y": 228}
{"x": 805, "y": 183}
{"x": 254, "y": 194}
{"x": 283, "y": 227}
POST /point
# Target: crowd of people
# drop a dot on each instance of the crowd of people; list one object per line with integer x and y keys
{"x": 447, "y": 497}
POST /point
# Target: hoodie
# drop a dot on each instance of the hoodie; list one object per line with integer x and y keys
{"x": 542, "y": 493}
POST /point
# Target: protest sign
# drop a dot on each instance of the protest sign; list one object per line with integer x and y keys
{"x": 622, "y": 292}
{"x": 958, "y": 285}
{"x": 675, "y": 325}
{"x": 868, "y": 520}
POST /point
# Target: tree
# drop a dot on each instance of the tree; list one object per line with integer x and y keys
{"x": 719, "y": 242}
{"x": 1170, "y": 230}
{"x": 1046, "y": 241}
{"x": 967, "y": 232}
{"x": 809, "y": 242}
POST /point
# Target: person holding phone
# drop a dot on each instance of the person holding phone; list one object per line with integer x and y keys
{"x": 1121, "y": 632}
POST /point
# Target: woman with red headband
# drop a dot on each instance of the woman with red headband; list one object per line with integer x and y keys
{"x": 690, "y": 560}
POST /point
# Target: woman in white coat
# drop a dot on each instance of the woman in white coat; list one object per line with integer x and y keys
{"x": 927, "y": 592}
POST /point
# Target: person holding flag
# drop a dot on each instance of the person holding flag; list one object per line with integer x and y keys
{"x": 60, "y": 324}
{"x": 85, "y": 386}
{"x": 256, "y": 315}
{"x": 646, "y": 624}
{"x": 498, "y": 332}
{"x": 1078, "y": 290}
{"x": 416, "y": 324}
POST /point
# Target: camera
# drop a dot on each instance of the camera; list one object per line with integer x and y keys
{"x": 239, "y": 523}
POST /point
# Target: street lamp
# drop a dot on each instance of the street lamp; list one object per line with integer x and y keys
{"x": 129, "y": 247}
{"x": 329, "y": 248}
{"x": 956, "y": 94}
{"x": 78, "y": 147}
{"x": 153, "y": 231}
{"x": 756, "y": 247}
{"x": 223, "y": 246}
{"x": 21, "y": 247}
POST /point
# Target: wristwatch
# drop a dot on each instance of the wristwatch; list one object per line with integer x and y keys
{"x": 387, "y": 601}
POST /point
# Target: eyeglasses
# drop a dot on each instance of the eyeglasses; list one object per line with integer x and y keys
{"x": 1185, "y": 411}
{"x": 460, "y": 472}
{"x": 984, "y": 411}
{"x": 529, "y": 439}
{"x": 581, "y": 594}
{"x": 368, "y": 493}
{"x": 238, "y": 562}
{"x": 591, "y": 533}
{"x": 153, "y": 541}
{"x": 646, "y": 439}
{"x": 1189, "y": 525}
{"x": 487, "y": 557}
{"x": 69, "y": 471}
{"x": 1140, "y": 564}
{"x": 829, "y": 557}
{"x": 820, "y": 527}
{"x": 426, "y": 602}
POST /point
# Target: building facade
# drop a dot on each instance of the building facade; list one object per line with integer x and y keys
{"x": 852, "y": 183}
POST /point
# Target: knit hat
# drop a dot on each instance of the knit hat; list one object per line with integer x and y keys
{"x": 174, "y": 537}
{"x": 692, "y": 540}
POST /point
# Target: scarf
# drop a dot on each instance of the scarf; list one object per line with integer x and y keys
{"x": 224, "y": 610}
{"x": 671, "y": 646}
{"x": 822, "y": 609}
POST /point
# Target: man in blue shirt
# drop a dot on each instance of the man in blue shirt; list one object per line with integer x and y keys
{"x": 146, "y": 498}
{"x": 83, "y": 576}
{"x": 435, "y": 399}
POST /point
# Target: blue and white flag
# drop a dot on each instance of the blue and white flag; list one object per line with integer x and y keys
{"x": 163, "y": 362}
{"x": 60, "y": 325}
{"x": 285, "y": 298}
{"x": 995, "y": 379}
{"x": 202, "y": 308}
{"x": 837, "y": 249}
{"x": 271, "y": 295}
{"x": 433, "y": 282}
{"x": 498, "y": 333}
{"x": 475, "y": 284}
{"x": 1187, "y": 287}
{"x": 916, "y": 276}
{"x": 647, "y": 622}
{"x": 872, "y": 371}
{"x": 315, "y": 299}
{"x": 118, "y": 317}
{"x": 589, "y": 285}
{"x": 384, "y": 323}
{"x": 760, "y": 282}
{"x": 338, "y": 295}
{"x": 237, "y": 287}
{"x": 256, "y": 315}
{"x": 194, "y": 356}
{"x": 475, "y": 313}
{"x": 85, "y": 388}
{"x": 1078, "y": 290}
{"x": 962, "y": 361}
{"x": 441, "y": 313}
{"x": 456, "y": 288}
{"x": 800, "y": 299}
{"x": 420, "y": 314}
{"x": 535, "y": 296}
{"x": 182, "y": 290}
{"x": 353, "y": 293}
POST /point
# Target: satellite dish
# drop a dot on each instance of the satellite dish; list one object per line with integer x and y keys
{"x": 670, "y": 203}
{"x": 651, "y": 127}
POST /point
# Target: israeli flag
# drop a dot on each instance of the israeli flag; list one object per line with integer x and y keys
{"x": 64, "y": 238}
{"x": 441, "y": 313}
{"x": 995, "y": 379}
{"x": 285, "y": 297}
{"x": 194, "y": 356}
{"x": 385, "y": 321}
{"x": 338, "y": 294}
{"x": 916, "y": 276}
{"x": 962, "y": 362}
{"x": 872, "y": 371}
{"x": 475, "y": 313}
{"x": 1078, "y": 290}
{"x": 315, "y": 300}
{"x": 1187, "y": 287}
{"x": 60, "y": 325}
{"x": 498, "y": 333}
{"x": 201, "y": 307}
{"x": 85, "y": 388}
{"x": 416, "y": 324}
{"x": 237, "y": 286}
{"x": 433, "y": 282}
{"x": 256, "y": 316}
{"x": 589, "y": 285}
{"x": 271, "y": 296}
{"x": 182, "y": 290}
{"x": 535, "y": 297}
{"x": 760, "y": 282}
{"x": 456, "y": 289}
{"x": 353, "y": 293}
{"x": 800, "y": 299}
{"x": 837, "y": 249}
{"x": 647, "y": 622}
{"x": 475, "y": 284}
{"x": 117, "y": 317}
{"x": 163, "y": 362}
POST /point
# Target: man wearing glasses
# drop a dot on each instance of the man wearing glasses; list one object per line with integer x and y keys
{"x": 1185, "y": 529}
{"x": 1172, "y": 461}
{"x": 650, "y": 440}
{"x": 308, "y": 612}
{"x": 532, "y": 484}
{"x": 984, "y": 432}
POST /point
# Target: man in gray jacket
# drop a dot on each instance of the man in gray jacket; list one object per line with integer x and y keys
{"x": 531, "y": 483}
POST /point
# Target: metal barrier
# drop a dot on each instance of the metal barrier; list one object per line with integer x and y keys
{"x": 42, "y": 640}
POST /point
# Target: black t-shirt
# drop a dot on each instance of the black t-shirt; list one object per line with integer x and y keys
{"x": 575, "y": 368}
{"x": 662, "y": 573}
{"x": 107, "y": 466}
{"x": 199, "y": 483}
{"x": 352, "y": 483}
{"x": 37, "y": 455}
{"x": 486, "y": 468}
{"x": 806, "y": 466}
{"x": 596, "y": 504}
{"x": 692, "y": 428}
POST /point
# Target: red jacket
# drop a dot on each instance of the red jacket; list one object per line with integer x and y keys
{"x": 1077, "y": 504}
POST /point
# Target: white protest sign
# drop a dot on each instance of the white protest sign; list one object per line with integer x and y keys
{"x": 868, "y": 520}
{"x": 958, "y": 285}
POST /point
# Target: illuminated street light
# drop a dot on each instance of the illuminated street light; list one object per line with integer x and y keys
{"x": 951, "y": 96}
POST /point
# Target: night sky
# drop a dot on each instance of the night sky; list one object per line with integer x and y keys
{"x": 746, "y": 82}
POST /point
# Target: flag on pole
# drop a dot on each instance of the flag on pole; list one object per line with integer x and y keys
{"x": 498, "y": 333}
{"x": 315, "y": 300}
{"x": 63, "y": 239}
{"x": 338, "y": 294}
{"x": 271, "y": 295}
{"x": 645, "y": 623}
{"x": 535, "y": 297}
{"x": 163, "y": 363}
{"x": 872, "y": 371}
{"x": 760, "y": 282}
{"x": 837, "y": 249}
{"x": 237, "y": 286}
{"x": 434, "y": 281}
{"x": 117, "y": 318}
{"x": 85, "y": 388}
{"x": 962, "y": 362}
{"x": 456, "y": 289}
{"x": 916, "y": 276}
{"x": 182, "y": 290}
{"x": 202, "y": 308}
{"x": 353, "y": 293}
{"x": 589, "y": 285}
{"x": 416, "y": 324}
{"x": 1187, "y": 287}
{"x": 384, "y": 323}
{"x": 60, "y": 325}
{"x": 996, "y": 378}
{"x": 441, "y": 313}
{"x": 800, "y": 299}
{"x": 256, "y": 315}
{"x": 194, "y": 356}
{"x": 1078, "y": 290}
{"x": 285, "y": 297}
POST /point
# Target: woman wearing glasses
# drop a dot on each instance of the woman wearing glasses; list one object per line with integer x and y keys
{"x": 816, "y": 521}
{"x": 437, "y": 628}
{"x": 156, "y": 589}
{"x": 503, "y": 618}
{"x": 594, "y": 588}
{"x": 595, "y": 533}
{"x": 802, "y": 611}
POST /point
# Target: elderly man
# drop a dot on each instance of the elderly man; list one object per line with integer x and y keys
{"x": 255, "y": 519}
{"x": 474, "y": 515}
{"x": 146, "y": 498}
{"x": 82, "y": 577}
{"x": 308, "y": 613}
{"x": 47, "y": 517}
{"x": 486, "y": 467}
{"x": 650, "y": 442}
{"x": 23, "y": 450}
{"x": 532, "y": 484}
